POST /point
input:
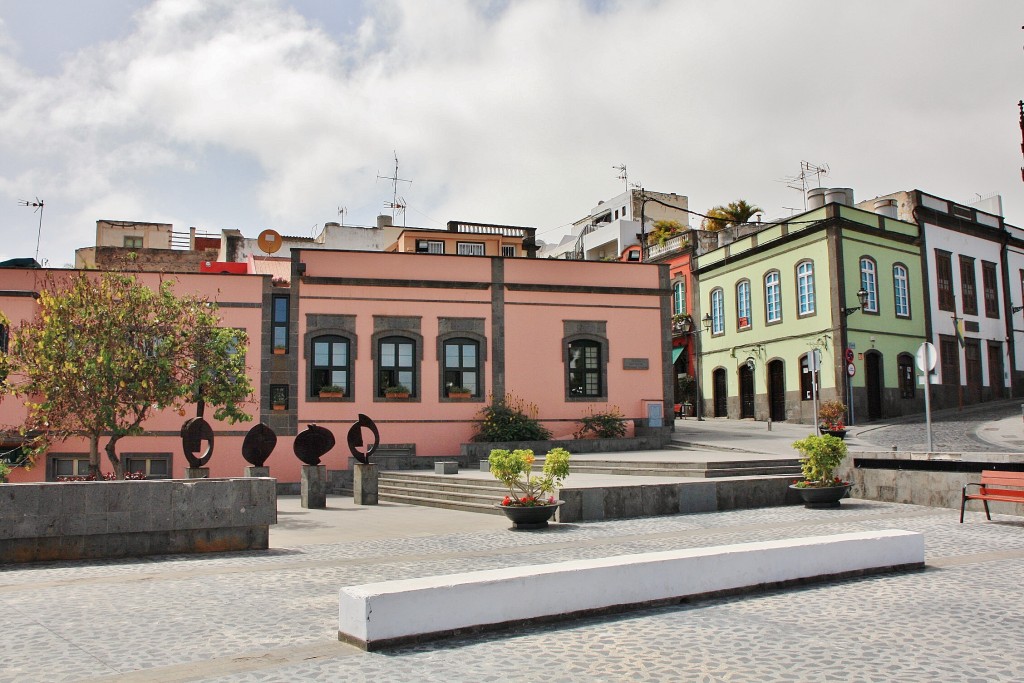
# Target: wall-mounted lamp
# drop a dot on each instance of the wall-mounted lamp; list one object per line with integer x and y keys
{"x": 862, "y": 297}
{"x": 705, "y": 322}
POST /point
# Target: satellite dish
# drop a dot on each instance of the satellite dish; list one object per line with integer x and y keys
{"x": 269, "y": 241}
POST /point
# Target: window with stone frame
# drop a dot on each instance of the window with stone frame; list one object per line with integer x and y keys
{"x": 397, "y": 361}
{"x": 869, "y": 283}
{"x": 772, "y": 297}
{"x": 461, "y": 365}
{"x": 717, "y": 311}
{"x": 330, "y": 364}
{"x": 279, "y": 322}
{"x": 901, "y": 290}
{"x": 153, "y": 465}
{"x": 805, "y": 288}
{"x": 744, "y": 317}
{"x": 585, "y": 368}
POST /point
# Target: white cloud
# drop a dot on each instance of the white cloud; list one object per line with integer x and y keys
{"x": 507, "y": 113}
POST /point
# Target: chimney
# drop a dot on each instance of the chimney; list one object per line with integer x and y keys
{"x": 885, "y": 207}
{"x": 384, "y": 221}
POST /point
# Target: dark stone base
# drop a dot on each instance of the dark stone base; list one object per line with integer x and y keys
{"x": 99, "y": 546}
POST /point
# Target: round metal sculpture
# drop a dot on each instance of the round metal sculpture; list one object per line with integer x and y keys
{"x": 258, "y": 444}
{"x": 355, "y": 439}
{"x": 312, "y": 443}
{"x": 194, "y": 432}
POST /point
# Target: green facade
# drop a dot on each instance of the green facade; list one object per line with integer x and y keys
{"x": 755, "y": 370}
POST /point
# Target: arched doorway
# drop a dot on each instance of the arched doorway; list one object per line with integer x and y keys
{"x": 777, "y": 391}
{"x": 746, "y": 391}
{"x": 873, "y": 383}
{"x": 720, "y": 395}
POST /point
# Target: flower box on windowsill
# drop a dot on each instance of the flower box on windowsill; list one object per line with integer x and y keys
{"x": 397, "y": 395}
{"x": 280, "y": 406}
{"x": 459, "y": 395}
{"x": 332, "y": 394}
{"x": 280, "y": 351}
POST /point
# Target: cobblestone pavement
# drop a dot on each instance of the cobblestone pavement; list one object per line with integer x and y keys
{"x": 272, "y": 615}
{"x": 952, "y": 430}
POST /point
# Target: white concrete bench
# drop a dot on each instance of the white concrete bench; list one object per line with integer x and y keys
{"x": 390, "y": 613}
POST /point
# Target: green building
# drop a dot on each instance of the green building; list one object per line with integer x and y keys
{"x": 838, "y": 279}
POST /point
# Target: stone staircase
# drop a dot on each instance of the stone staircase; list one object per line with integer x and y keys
{"x": 480, "y": 495}
{"x": 441, "y": 491}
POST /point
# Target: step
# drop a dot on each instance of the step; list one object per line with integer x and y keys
{"x": 467, "y": 496}
{"x": 446, "y": 504}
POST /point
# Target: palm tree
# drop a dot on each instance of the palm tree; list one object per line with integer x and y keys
{"x": 734, "y": 213}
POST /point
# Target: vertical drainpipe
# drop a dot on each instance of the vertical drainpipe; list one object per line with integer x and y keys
{"x": 498, "y": 327}
{"x": 840, "y": 379}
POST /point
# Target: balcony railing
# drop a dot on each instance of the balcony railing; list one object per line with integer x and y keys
{"x": 671, "y": 245}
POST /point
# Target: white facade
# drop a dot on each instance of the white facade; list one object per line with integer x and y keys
{"x": 234, "y": 247}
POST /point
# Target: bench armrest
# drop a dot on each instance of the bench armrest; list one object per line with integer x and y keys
{"x": 981, "y": 487}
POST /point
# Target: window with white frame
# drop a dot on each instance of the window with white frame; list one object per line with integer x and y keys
{"x": 430, "y": 246}
{"x": 717, "y": 311}
{"x": 772, "y": 297}
{"x": 330, "y": 364}
{"x": 901, "y": 290}
{"x": 805, "y": 287}
{"x": 869, "y": 283}
{"x": 154, "y": 466}
{"x": 743, "y": 318}
{"x": 679, "y": 297}
{"x": 470, "y": 248}
{"x": 508, "y": 250}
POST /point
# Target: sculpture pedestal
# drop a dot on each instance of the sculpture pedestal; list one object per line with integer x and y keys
{"x": 364, "y": 484}
{"x": 257, "y": 471}
{"x": 197, "y": 472}
{"x": 314, "y": 486}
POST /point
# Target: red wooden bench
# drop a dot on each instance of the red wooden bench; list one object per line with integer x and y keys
{"x": 992, "y": 488}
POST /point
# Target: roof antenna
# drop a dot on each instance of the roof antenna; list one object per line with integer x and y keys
{"x": 623, "y": 176}
{"x": 342, "y": 210}
{"x": 38, "y": 204}
{"x": 397, "y": 203}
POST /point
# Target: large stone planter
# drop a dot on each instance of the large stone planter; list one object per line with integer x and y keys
{"x": 822, "y": 496}
{"x": 530, "y": 516}
{"x": 101, "y": 519}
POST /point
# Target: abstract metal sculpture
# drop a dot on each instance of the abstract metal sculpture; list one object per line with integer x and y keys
{"x": 312, "y": 443}
{"x": 355, "y": 439}
{"x": 193, "y": 433}
{"x": 259, "y": 443}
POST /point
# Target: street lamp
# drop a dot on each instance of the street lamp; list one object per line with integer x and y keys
{"x": 862, "y": 296}
{"x": 686, "y": 326}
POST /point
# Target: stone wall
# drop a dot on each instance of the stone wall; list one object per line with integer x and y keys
{"x": 91, "y": 520}
{"x": 935, "y": 480}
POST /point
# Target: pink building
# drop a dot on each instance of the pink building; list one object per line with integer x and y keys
{"x": 568, "y": 336}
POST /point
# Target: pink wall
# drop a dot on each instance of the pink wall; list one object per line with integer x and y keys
{"x": 625, "y": 297}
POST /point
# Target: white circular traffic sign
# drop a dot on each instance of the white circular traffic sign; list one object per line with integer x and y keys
{"x": 927, "y": 357}
{"x": 851, "y": 369}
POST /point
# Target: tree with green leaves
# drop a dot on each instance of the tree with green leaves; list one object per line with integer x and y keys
{"x": 733, "y": 213}
{"x": 105, "y": 352}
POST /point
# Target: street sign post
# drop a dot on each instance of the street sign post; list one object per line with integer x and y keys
{"x": 926, "y": 361}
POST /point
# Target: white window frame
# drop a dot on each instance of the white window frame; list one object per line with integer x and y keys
{"x": 805, "y": 287}
{"x": 431, "y": 246}
{"x": 717, "y": 311}
{"x": 901, "y": 290}
{"x": 743, "y": 307}
{"x": 508, "y": 250}
{"x": 471, "y": 249}
{"x": 869, "y": 282}
{"x": 679, "y": 297}
{"x": 773, "y": 297}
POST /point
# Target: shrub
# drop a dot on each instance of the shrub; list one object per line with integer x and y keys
{"x": 514, "y": 469}
{"x": 4, "y": 471}
{"x": 509, "y": 419}
{"x": 819, "y": 458}
{"x": 607, "y": 425}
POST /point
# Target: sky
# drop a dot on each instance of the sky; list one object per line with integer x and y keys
{"x": 277, "y": 113}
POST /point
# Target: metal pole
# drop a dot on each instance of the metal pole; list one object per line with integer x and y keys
{"x": 928, "y": 407}
{"x": 700, "y": 395}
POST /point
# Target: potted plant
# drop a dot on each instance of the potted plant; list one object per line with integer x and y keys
{"x": 819, "y": 458}
{"x": 459, "y": 392}
{"x": 397, "y": 391}
{"x": 529, "y": 503}
{"x": 332, "y": 391}
{"x": 4, "y": 471}
{"x": 280, "y": 349}
{"x": 830, "y": 418}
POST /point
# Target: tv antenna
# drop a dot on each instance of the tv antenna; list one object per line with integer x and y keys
{"x": 397, "y": 203}
{"x": 38, "y": 206}
{"x": 342, "y": 211}
{"x": 623, "y": 176}
{"x": 800, "y": 180}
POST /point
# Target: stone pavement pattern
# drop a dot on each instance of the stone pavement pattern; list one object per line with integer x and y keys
{"x": 272, "y": 615}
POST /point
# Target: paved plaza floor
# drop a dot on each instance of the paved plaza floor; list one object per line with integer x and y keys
{"x": 272, "y": 615}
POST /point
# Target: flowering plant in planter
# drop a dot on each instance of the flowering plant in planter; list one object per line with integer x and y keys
{"x": 819, "y": 458}
{"x": 514, "y": 469}
{"x": 830, "y": 416}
